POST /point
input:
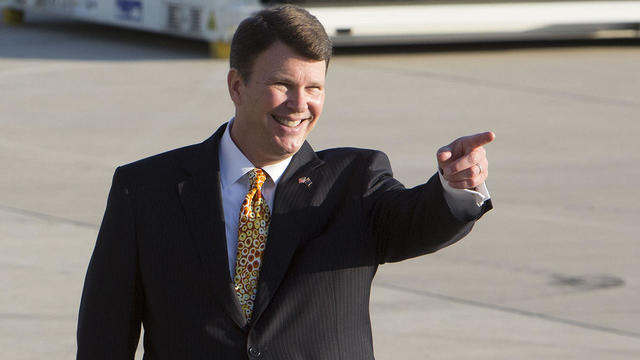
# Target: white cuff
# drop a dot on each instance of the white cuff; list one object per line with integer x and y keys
{"x": 464, "y": 203}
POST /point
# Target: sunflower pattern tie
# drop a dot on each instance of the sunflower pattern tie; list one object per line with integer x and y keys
{"x": 253, "y": 229}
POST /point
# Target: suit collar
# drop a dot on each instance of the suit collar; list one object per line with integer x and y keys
{"x": 305, "y": 158}
{"x": 204, "y": 161}
{"x": 206, "y": 158}
{"x": 234, "y": 164}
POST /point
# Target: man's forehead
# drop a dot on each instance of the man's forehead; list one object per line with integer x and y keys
{"x": 309, "y": 72}
{"x": 279, "y": 62}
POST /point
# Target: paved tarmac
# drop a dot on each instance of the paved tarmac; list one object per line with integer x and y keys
{"x": 551, "y": 273}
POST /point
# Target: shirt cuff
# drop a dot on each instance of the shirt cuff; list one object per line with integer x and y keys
{"x": 465, "y": 204}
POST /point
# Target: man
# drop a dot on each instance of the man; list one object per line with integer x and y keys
{"x": 252, "y": 245}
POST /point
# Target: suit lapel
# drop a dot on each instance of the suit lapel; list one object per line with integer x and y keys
{"x": 202, "y": 201}
{"x": 284, "y": 231}
{"x": 201, "y": 198}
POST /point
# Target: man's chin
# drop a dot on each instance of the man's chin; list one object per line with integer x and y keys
{"x": 290, "y": 147}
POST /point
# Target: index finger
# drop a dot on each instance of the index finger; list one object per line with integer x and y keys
{"x": 475, "y": 141}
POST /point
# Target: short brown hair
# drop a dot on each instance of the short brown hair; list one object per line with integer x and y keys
{"x": 292, "y": 25}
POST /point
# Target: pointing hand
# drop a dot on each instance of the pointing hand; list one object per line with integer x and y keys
{"x": 463, "y": 163}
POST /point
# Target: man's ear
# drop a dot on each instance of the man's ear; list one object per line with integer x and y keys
{"x": 235, "y": 83}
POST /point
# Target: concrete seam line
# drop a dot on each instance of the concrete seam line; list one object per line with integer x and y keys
{"x": 511, "y": 310}
{"x": 47, "y": 217}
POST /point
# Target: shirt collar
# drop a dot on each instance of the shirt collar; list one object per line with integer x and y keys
{"x": 234, "y": 165}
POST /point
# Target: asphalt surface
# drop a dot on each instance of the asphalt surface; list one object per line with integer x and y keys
{"x": 551, "y": 273}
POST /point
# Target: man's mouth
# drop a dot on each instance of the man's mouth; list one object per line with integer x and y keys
{"x": 285, "y": 121}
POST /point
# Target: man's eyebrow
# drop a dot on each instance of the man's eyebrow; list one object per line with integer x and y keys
{"x": 280, "y": 77}
{"x": 289, "y": 80}
{"x": 274, "y": 78}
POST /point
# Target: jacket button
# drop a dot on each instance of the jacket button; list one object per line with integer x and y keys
{"x": 253, "y": 352}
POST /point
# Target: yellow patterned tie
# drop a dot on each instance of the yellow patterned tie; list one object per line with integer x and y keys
{"x": 253, "y": 229}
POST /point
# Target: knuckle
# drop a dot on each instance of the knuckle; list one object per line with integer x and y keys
{"x": 451, "y": 169}
{"x": 474, "y": 157}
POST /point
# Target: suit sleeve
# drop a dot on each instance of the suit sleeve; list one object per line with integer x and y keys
{"x": 111, "y": 305}
{"x": 406, "y": 223}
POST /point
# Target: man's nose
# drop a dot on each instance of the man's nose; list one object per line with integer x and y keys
{"x": 297, "y": 100}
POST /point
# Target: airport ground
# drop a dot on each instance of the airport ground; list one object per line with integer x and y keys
{"x": 551, "y": 273}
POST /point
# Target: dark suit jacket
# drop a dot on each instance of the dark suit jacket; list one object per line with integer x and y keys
{"x": 161, "y": 260}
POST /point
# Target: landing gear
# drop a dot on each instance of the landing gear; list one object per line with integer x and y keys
{"x": 12, "y": 16}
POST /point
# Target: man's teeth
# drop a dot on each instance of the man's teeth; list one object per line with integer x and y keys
{"x": 286, "y": 122}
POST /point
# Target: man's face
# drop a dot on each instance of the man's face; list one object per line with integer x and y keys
{"x": 279, "y": 106}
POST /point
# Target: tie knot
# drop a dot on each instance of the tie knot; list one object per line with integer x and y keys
{"x": 257, "y": 177}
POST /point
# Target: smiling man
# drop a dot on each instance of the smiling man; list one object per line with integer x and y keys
{"x": 278, "y": 105}
{"x": 253, "y": 245}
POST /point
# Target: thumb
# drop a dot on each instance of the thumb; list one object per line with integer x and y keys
{"x": 444, "y": 154}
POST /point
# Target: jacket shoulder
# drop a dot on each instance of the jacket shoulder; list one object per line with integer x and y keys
{"x": 349, "y": 154}
{"x": 157, "y": 170}
{"x": 358, "y": 159}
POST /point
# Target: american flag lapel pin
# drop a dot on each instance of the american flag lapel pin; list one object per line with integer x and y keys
{"x": 305, "y": 180}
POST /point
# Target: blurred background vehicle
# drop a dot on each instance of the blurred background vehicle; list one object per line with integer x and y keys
{"x": 361, "y": 22}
